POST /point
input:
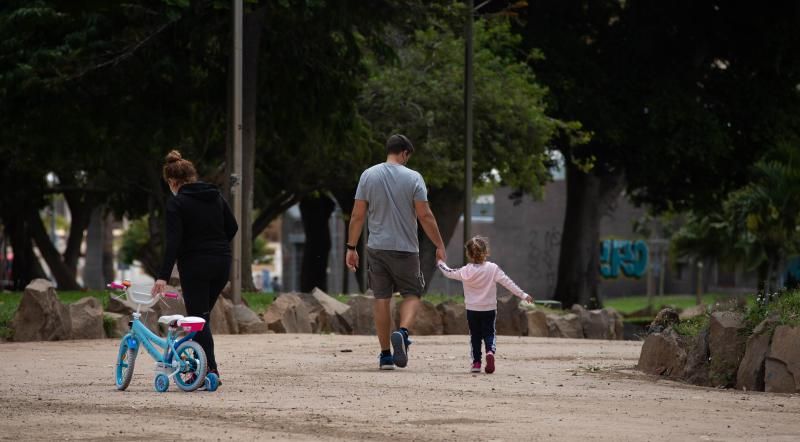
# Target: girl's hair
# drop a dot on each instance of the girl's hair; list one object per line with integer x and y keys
{"x": 477, "y": 249}
{"x": 178, "y": 169}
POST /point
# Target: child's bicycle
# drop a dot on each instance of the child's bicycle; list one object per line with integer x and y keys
{"x": 182, "y": 359}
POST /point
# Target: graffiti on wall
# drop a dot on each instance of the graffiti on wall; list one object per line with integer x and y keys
{"x": 623, "y": 256}
{"x": 542, "y": 252}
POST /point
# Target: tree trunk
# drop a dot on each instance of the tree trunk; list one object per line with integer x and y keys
{"x": 108, "y": 248}
{"x": 447, "y": 205}
{"x": 316, "y": 212}
{"x": 253, "y": 25}
{"x": 80, "y": 209}
{"x": 26, "y": 266}
{"x": 64, "y": 278}
{"x": 99, "y": 266}
{"x": 589, "y": 197}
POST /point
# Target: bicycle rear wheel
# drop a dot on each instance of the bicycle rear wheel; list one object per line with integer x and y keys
{"x": 126, "y": 359}
{"x": 194, "y": 366}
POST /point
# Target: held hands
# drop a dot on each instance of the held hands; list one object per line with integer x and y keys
{"x": 441, "y": 254}
{"x": 351, "y": 259}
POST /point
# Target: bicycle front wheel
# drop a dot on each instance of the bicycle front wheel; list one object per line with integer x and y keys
{"x": 123, "y": 371}
{"x": 194, "y": 366}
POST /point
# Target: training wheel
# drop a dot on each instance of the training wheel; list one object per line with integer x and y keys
{"x": 161, "y": 383}
{"x": 212, "y": 382}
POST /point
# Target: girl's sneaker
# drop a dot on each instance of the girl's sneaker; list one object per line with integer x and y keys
{"x": 476, "y": 367}
{"x": 489, "y": 363}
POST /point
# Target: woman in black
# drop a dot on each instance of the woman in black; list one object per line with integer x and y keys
{"x": 200, "y": 228}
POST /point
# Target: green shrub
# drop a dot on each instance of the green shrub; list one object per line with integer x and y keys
{"x": 785, "y": 305}
{"x": 691, "y": 326}
{"x": 108, "y": 326}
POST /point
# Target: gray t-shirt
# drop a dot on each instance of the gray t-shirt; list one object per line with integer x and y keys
{"x": 390, "y": 191}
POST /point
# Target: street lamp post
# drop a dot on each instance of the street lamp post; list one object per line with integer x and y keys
{"x": 236, "y": 181}
{"x": 468, "y": 92}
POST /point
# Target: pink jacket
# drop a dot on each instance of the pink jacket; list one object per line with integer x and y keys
{"x": 480, "y": 284}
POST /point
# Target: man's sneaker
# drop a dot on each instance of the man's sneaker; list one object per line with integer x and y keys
{"x": 476, "y": 367}
{"x": 489, "y": 362}
{"x": 386, "y": 362}
{"x": 400, "y": 348}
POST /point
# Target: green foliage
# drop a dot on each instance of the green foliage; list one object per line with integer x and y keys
{"x": 759, "y": 225}
{"x": 421, "y": 95}
{"x": 783, "y": 305}
{"x": 692, "y": 326}
{"x": 133, "y": 240}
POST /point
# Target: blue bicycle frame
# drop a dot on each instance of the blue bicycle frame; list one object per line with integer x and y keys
{"x": 160, "y": 349}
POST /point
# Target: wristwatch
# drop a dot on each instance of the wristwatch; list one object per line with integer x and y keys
{"x": 349, "y": 247}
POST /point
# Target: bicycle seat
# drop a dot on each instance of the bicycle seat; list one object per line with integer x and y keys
{"x": 170, "y": 319}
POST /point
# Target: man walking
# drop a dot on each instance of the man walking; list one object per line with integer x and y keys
{"x": 394, "y": 197}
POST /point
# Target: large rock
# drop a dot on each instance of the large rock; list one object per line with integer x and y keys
{"x": 361, "y": 314}
{"x": 454, "y": 318}
{"x": 247, "y": 320}
{"x": 618, "y": 321}
{"x": 428, "y": 321}
{"x": 782, "y": 368}
{"x": 750, "y": 375}
{"x": 119, "y": 325}
{"x": 663, "y": 355}
{"x": 223, "y": 320}
{"x": 693, "y": 312}
{"x": 564, "y": 326}
{"x": 40, "y": 315}
{"x": 726, "y": 345}
{"x": 596, "y": 324}
{"x": 289, "y": 313}
{"x": 86, "y": 319}
{"x": 537, "y": 323}
{"x": 511, "y": 320}
{"x": 697, "y": 364}
{"x": 327, "y": 313}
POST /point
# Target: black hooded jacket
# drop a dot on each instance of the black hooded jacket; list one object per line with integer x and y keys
{"x": 199, "y": 223}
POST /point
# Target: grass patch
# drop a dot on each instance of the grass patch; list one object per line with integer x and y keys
{"x": 8, "y": 306}
{"x": 259, "y": 302}
{"x": 633, "y": 304}
{"x": 71, "y": 297}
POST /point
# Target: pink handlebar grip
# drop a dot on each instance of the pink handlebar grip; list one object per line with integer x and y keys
{"x": 116, "y": 286}
{"x": 171, "y": 295}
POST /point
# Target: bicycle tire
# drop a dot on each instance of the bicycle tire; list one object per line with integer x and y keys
{"x": 126, "y": 360}
{"x": 195, "y": 376}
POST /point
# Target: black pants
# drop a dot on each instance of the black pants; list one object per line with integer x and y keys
{"x": 202, "y": 280}
{"x": 482, "y": 328}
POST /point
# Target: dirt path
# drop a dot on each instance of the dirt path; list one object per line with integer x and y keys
{"x": 304, "y": 387}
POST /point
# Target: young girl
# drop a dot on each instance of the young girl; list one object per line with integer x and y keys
{"x": 480, "y": 279}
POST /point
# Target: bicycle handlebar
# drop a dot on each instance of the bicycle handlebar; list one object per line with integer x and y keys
{"x": 126, "y": 284}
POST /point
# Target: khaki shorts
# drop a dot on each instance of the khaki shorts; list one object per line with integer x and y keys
{"x": 391, "y": 271}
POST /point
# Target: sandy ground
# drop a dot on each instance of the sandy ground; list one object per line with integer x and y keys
{"x": 323, "y": 387}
